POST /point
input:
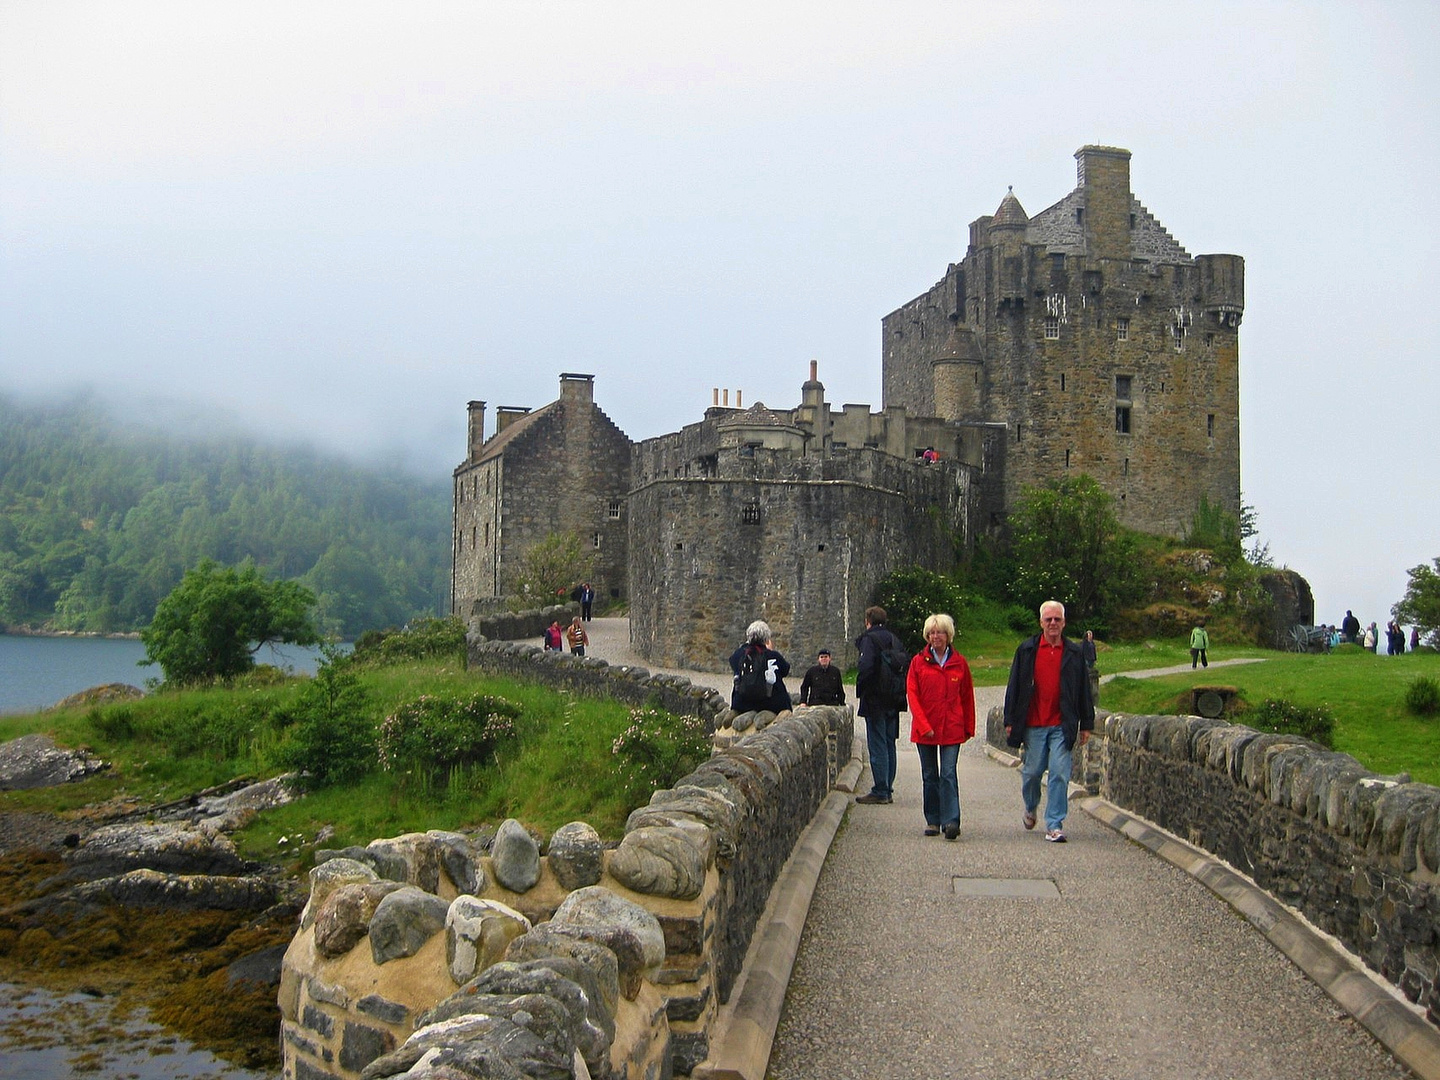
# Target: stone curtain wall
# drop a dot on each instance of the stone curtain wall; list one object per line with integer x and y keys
{"x": 517, "y": 625}
{"x": 430, "y": 952}
{"x": 798, "y": 542}
{"x": 1357, "y": 853}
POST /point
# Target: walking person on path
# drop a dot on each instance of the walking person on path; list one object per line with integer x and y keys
{"x": 576, "y": 635}
{"x": 1199, "y": 645}
{"x": 879, "y": 704}
{"x": 1047, "y": 708}
{"x": 942, "y": 716}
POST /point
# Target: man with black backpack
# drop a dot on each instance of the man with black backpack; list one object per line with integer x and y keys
{"x": 880, "y": 686}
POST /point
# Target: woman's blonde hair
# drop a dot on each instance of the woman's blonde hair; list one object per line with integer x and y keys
{"x": 758, "y": 632}
{"x": 941, "y": 622}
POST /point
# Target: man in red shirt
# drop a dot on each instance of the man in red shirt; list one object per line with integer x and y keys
{"x": 1048, "y": 706}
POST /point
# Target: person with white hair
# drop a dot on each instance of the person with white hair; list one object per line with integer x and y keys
{"x": 1048, "y": 706}
{"x": 759, "y": 672}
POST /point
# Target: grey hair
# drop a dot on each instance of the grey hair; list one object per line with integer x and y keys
{"x": 758, "y": 632}
{"x": 1052, "y": 603}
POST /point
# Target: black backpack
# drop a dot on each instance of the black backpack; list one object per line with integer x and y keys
{"x": 751, "y": 689}
{"x": 887, "y": 684}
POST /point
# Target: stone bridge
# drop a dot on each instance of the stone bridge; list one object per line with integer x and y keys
{"x": 1229, "y": 904}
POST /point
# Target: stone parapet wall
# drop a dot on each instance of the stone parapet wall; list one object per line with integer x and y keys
{"x": 1358, "y": 854}
{"x": 594, "y": 677}
{"x": 433, "y": 954}
{"x": 483, "y": 621}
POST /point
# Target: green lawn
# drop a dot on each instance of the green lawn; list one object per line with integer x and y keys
{"x": 990, "y": 655}
{"x": 1364, "y": 693}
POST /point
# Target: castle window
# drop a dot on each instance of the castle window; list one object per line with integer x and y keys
{"x": 1122, "y": 329}
{"x": 1132, "y": 221}
{"x": 1079, "y": 215}
{"x": 751, "y": 513}
{"x": 1067, "y": 459}
{"x": 1052, "y": 328}
{"x": 1062, "y": 380}
{"x": 1179, "y": 331}
{"x": 614, "y": 510}
{"x": 487, "y": 534}
{"x": 472, "y": 537}
{"x": 1122, "y": 419}
{"x": 1122, "y": 387}
{"x": 595, "y": 539}
{"x": 1210, "y": 425}
{"x": 679, "y": 545}
{"x": 820, "y": 547}
{"x": 1209, "y": 340}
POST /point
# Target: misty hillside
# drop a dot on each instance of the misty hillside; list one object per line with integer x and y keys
{"x": 99, "y": 520}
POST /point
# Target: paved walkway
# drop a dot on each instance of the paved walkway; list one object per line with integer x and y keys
{"x": 910, "y": 968}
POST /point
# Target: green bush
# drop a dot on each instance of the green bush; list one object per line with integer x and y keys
{"x": 1422, "y": 696}
{"x": 333, "y": 737}
{"x": 1281, "y": 717}
{"x": 428, "y": 738}
{"x": 657, "y": 749}
{"x": 421, "y": 639}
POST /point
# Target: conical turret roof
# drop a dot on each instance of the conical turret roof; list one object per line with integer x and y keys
{"x": 1010, "y": 212}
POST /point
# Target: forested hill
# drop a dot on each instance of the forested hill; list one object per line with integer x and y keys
{"x": 99, "y": 520}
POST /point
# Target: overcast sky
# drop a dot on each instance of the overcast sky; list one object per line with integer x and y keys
{"x": 341, "y": 221}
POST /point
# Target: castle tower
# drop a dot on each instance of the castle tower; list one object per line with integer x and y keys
{"x": 959, "y": 370}
{"x": 1104, "y": 175}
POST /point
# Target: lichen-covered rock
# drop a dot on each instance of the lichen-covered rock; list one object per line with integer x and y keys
{"x": 663, "y": 861}
{"x": 460, "y": 859}
{"x": 743, "y": 721}
{"x": 589, "y": 1026}
{"x": 328, "y": 876}
{"x": 413, "y": 859}
{"x": 515, "y": 857}
{"x": 180, "y": 892}
{"x": 625, "y": 928}
{"x": 577, "y": 856}
{"x": 525, "y": 1046}
{"x": 343, "y": 917}
{"x": 543, "y": 943}
{"x": 172, "y": 849}
{"x": 477, "y": 933}
{"x": 707, "y": 804}
{"x": 34, "y": 761}
{"x": 403, "y": 922}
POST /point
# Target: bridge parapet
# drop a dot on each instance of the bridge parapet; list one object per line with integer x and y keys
{"x": 434, "y": 952}
{"x": 1357, "y": 853}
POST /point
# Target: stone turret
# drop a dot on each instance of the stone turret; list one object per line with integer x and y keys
{"x": 959, "y": 373}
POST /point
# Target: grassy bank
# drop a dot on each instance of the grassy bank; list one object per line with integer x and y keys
{"x": 1362, "y": 691}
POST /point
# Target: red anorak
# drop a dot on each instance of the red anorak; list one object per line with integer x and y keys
{"x": 942, "y": 700}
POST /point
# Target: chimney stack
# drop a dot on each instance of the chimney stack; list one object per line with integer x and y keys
{"x": 476, "y": 412}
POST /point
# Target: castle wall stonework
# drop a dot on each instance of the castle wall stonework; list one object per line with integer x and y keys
{"x": 798, "y": 542}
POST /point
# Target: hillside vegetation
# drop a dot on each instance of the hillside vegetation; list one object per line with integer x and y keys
{"x": 99, "y": 520}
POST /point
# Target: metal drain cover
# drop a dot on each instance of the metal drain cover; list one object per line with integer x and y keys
{"x": 1018, "y": 888}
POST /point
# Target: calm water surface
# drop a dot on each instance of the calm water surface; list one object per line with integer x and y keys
{"x": 36, "y": 672}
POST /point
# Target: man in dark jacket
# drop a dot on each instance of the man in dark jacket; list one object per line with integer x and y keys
{"x": 881, "y": 713}
{"x": 1047, "y": 708}
{"x": 822, "y": 684}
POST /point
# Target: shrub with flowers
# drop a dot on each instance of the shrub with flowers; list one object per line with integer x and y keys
{"x": 432, "y": 736}
{"x": 656, "y": 749}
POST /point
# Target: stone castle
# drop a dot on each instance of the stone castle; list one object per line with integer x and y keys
{"x": 1082, "y": 340}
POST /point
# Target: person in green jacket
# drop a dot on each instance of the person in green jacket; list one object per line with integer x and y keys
{"x": 1199, "y": 645}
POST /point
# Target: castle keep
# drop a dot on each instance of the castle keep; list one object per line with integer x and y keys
{"x": 1082, "y": 340}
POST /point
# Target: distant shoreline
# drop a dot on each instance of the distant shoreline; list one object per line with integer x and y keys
{"x": 26, "y": 631}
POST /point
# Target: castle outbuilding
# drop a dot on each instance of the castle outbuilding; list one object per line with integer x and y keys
{"x": 1082, "y": 340}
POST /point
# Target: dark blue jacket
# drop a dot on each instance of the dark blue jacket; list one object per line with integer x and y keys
{"x": 1077, "y": 707}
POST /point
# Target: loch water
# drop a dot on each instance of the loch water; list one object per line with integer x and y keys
{"x": 36, "y": 672}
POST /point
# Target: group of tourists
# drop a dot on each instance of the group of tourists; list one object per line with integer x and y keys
{"x": 1049, "y": 707}
{"x": 575, "y": 634}
{"x": 1349, "y": 631}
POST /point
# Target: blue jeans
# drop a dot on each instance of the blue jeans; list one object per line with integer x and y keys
{"x": 942, "y": 789}
{"x": 1045, "y": 749}
{"x": 882, "y": 728}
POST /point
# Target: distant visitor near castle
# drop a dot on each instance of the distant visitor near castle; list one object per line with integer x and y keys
{"x": 1084, "y": 339}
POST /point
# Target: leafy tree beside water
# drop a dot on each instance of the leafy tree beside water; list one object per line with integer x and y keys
{"x": 211, "y": 625}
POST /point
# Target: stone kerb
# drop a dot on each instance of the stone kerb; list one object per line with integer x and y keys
{"x": 430, "y": 954}
{"x": 595, "y": 677}
{"x": 1357, "y": 853}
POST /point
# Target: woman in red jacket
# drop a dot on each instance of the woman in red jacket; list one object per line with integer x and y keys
{"x": 942, "y": 716}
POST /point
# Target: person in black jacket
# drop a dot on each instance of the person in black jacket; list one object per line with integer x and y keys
{"x": 760, "y": 643}
{"x": 822, "y": 684}
{"x": 1048, "y": 707}
{"x": 882, "y": 714}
